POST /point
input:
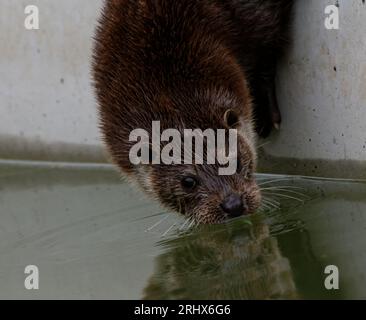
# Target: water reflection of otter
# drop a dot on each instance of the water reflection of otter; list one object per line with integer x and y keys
{"x": 229, "y": 263}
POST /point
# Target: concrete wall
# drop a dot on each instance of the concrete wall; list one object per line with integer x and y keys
{"x": 322, "y": 95}
{"x": 47, "y": 106}
{"x": 48, "y": 110}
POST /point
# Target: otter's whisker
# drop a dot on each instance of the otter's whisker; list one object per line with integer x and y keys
{"x": 286, "y": 196}
{"x": 266, "y": 198}
{"x": 170, "y": 228}
{"x": 274, "y": 201}
{"x": 263, "y": 144}
{"x": 191, "y": 224}
{"x": 284, "y": 187}
{"x": 285, "y": 190}
{"x": 184, "y": 224}
{"x": 158, "y": 223}
{"x": 265, "y": 206}
{"x": 271, "y": 202}
{"x": 276, "y": 180}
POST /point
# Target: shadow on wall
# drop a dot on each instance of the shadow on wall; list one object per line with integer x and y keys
{"x": 13, "y": 147}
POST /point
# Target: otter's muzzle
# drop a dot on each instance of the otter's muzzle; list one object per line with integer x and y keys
{"x": 234, "y": 206}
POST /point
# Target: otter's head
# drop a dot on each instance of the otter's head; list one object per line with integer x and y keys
{"x": 200, "y": 191}
{"x": 197, "y": 191}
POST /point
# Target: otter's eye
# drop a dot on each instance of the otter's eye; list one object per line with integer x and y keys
{"x": 231, "y": 119}
{"x": 189, "y": 183}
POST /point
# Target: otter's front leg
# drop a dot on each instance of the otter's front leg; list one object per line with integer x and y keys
{"x": 266, "y": 111}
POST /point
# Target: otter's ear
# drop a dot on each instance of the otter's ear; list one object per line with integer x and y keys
{"x": 231, "y": 119}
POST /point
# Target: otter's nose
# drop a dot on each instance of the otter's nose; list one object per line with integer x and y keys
{"x": 233, "y": 206}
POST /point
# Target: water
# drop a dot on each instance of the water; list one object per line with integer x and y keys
{"x": 94, "y": 237}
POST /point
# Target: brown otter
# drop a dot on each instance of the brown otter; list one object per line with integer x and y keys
{"x": 190, "y": 64}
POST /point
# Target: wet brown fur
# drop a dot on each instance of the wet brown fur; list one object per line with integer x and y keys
{"x": 185, "y": 63}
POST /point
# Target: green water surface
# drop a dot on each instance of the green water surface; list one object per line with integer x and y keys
{"x": 92, "y": 236}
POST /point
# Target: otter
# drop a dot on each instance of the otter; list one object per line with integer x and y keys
{"x": 190, "y": 64}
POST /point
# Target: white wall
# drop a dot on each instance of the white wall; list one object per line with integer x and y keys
{"x": 48, "y": 110}
{"x": 46, "y": 97}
